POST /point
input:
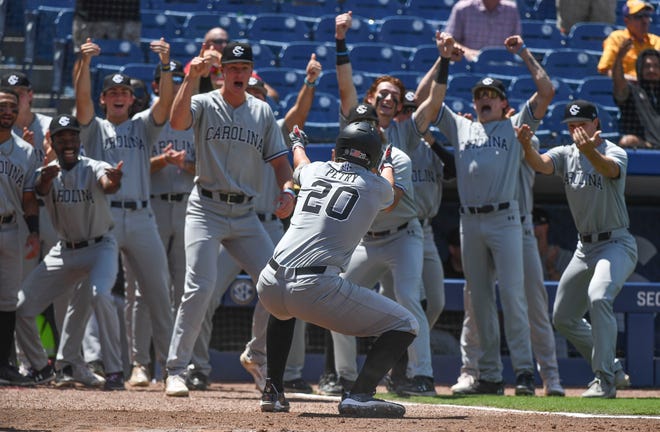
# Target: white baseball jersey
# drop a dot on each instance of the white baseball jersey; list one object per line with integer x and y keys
{"x": 74, "y": 207}
{"x": 306, "y": 243}
{"x": 130, "y": 142}
{"x": 227, "y": 140}
{"x": 597, "y": 203}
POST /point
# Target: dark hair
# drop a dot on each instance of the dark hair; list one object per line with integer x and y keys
{"x": 10, "y": 91}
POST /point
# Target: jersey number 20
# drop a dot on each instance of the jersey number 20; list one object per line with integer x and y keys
{"x": 339, "y": 206}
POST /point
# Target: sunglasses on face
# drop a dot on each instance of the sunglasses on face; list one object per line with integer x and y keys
{"x": 640, "y": 17}
{"x": 486, "y": 92}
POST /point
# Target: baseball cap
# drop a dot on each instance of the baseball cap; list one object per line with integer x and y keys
{"x": 491, "y": 83}
{"x": 236, "y": 52}
{"x": 257, "y": 84}
{"x": 409, "y": 99}
{"x": 176, "y": 69}
{"x": 580, "y": 110}
{"x": 631, "y": 7}
{"x": 117, "y": 80}
{"x": 63, "y": 122}
{"x": 539, "y": 216}
{"x": 15, "y": 79}
{"x": 362, "y": 112}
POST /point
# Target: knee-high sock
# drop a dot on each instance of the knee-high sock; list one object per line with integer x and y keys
{"x": 278, "y": 343}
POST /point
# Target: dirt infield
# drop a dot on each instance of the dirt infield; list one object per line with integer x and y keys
{"x": 234, "y": 407}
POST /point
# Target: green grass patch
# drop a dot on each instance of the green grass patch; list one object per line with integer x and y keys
{"x": 618, "y": 406}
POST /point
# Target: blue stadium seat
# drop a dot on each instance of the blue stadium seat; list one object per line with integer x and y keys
{"x": 40, "y": 32}
{"x": 589, "y": 36}
{"x": 376, "y": 57}
{"x": 323, "y": 30}
{"x": 609, "y": 123}
{"x": 541, "y": 36}
{"x": 262, "y": 55}
{"x": 284, "y": 80}
{"x": 523, "y": 87}
{"x": 327, "y": 82}
{"x": 322, "y": 123}
{"x": 597, "y": 89}
{"x": 405, "y": 31}
{"x": 62, "y": 51}
{"x": 552, "y": 132}
{"x": 438, "y": 10}
{"x": 182, "y": 50}
{"x": 182, "y": 5}
{"x": 410, "y": 79}
{"x": 277, "y": 29}
{"x": 249, "y": 7}
{"x": 309, "y": 8}
{"x": 143, "y": 71}
{"x": 460, "y": 85}
{"x": 117, "y": 52}
{"x": 297, "y": 54}
{"x": 373, "y": 9}
{"x": 423, "y": 58}
{"x": 500, "y": 63}
{"x": 156, "y": 24}
{"x": 571, "y": 65}
{"x": 460, "y": 105}
{"x": 198, "y": 24}
{"x": 542, "y": 10}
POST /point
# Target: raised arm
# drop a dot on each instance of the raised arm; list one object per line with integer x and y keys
{"x": 83, "y": 83}
{"x": 161, "y": 108}
{"x": 180, "y": 115}
{"x": 538, "y": 162}
{"x": 297, "y": 115}
{"x": 619, "y": 83}
{"x": 545, "y": 91}
{"x": 347, "y": 91}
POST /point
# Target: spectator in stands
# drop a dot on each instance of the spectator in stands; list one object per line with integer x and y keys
{"x": 637, "y": 15}
{"x": 570, "y": 12}
{"x": 639, "y": 103}
{"x": 476, "y": 24}
{"x": 553, "y": 257}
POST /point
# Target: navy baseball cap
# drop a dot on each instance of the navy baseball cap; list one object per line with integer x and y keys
{"x": 15, "y": 79}
{"x": 237, "y": 52}
{"x": 363, "y": 112}
{"x": 491, "y": 83}
{"x": 176, "y": 69}
{"x": 117, "y": 80}
{"x": 63, "y": 122}
{"x": 409, "y": 99}
{"x": 579, "y": 111}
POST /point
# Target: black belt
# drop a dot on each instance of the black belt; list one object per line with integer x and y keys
{"x": 131, "y": 205}
{"x": 82, "y": 244}
{"x": 387, "y": 232}
{"x": 299, "y": 270}
{"x": 265, "y": 217}
{"x": 7, "y": 219}
{"x": 592, "y": 238}
{"x": 488, "y": 208}
{"x": 230, "y": 198}
{"x": 170, "y": 197}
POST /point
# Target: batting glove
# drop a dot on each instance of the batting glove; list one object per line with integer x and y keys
{"x": 386, "y": 161}
{"x": 298, "y": 138}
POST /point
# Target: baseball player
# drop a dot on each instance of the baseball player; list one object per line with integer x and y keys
{"x": 594, "y": 173}
{"x": 121, "y": 138}
{"x": 488, "y": 159}
{"x": 18, "y": 163}
{"x": 253, "y": 358}
{"x": 395, "y": 240}
{"x": 338, "y": 200}
{"x": 73, "y": 188}
{"x": 541, "y": 331}
{"x": 235, "y": 133}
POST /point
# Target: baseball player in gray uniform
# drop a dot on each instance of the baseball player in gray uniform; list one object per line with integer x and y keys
{"x": 488, "y": 158}
{"x": 541, "y": 331}
{"x": 337, "y": 202}
{"x": 172, "y": 173}
{"x": 594, "y": 173}
{"x": 120, "y": 138}
{"x": 73, "y": 188}
{"x": 253, "y": 358}
{"x": 18, "y": 164}
{"x": 235, "y": 133}
{"x": 398, "y": 228}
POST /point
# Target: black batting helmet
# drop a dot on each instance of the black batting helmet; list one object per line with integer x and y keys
{"x": 359, "y": 143}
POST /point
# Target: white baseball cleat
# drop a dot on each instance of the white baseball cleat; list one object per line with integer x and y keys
{"x": 463, "y": 383}
{"x": 175, "y": 385}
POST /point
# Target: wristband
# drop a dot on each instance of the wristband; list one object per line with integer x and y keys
{"x": 523, "y": 47}
{"x": 342, "y": 52}
{"x": 32, "y": 222}
{"x": 165, "y": 67}
{"x": 310, "y": 84}
{"x": 443, "y": 71}
{"x": 295, "y": 146}
{"x": 290, "y": 192}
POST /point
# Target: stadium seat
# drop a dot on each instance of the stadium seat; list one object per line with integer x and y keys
{"x": 405, "y": 31}
{"x": 156, "y": 24}
{"x": 597, "y": 89}
{"x": 284, "y": 80}
{"x": 438, "y": 10}
{"x": 249, "y": 7}
{"x": 62, "y": 51}
{"x": 589, "y": 36}
{"x": 277, "y": 29}
{"x": 182, "y": 5}
{"x": 297, "y": 54}
{"x": 570, "y": 65}
{"x": 309, "y": 8}
{"x": 373, "y": 9}
{"x": 117, "y": 52}
{"x": 460, "y": 105}
{"x": 143, "y": 71}
{"x": 410, "y": 79}
{"x": 40, "y": 32}
{"x": 262, "y": 55}
{"x": 500, "y": 63}
{"x": 327, "y": 82}
{"x": 424, "y": 56}
{"x": 523, "y": 87}
{"x": 541, "y": 10}
{"x": 376, "y": 57}
{"x": 552, "y": 132}
{"x": 322, "y": 123}
{"x": 460, "y": 85}
{"x": 540, "y": 36}
{"x": 323, "y": 30}
{"x": 198, "y": 24}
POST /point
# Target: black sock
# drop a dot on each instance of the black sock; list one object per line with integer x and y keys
{"x": 329, "y": 367}
{"x": 7, "y": 327}
{"x": 400, "y": 367}
{"x": 381, "y": 357}
{"x": 278, "y": 343}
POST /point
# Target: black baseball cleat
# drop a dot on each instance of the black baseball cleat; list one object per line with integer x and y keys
{"x": 365, "y": 405}
{"x": 483, "y": 387}
{"x": 197, "y": 381}
{"x": 44, "y": 375}
{"x": 272, "y": 400}
{"x": 525, "y": 384}
{"x": 10, "y": 376}
{"x": 298, "y": 385}
{"x": 418, "y": 386}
